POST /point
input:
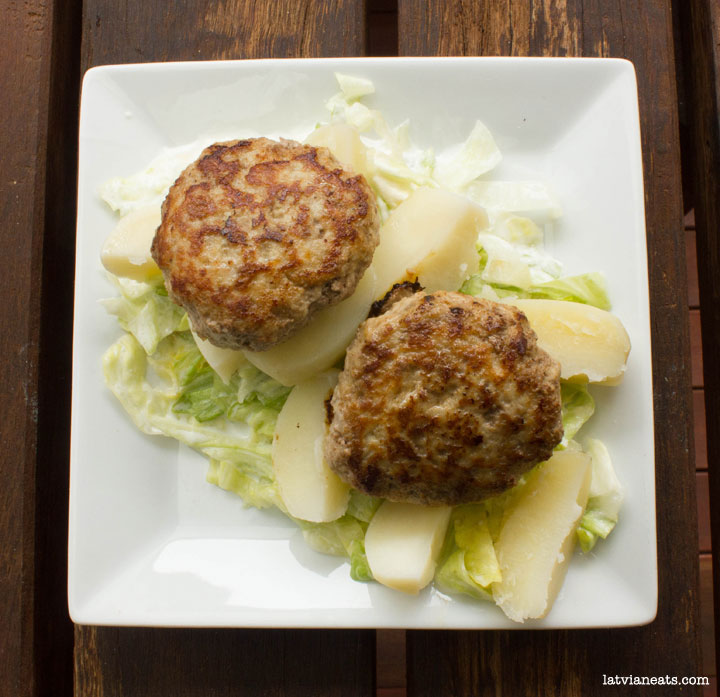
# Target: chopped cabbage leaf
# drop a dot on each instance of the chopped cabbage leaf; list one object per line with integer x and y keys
{"x": 479, "y": 154}
{"x": 531, "y": 199}
{"x": 144, "y": 310}
{"x": 323, "y": 538}
{"x": 362, "y": 506}
{"x": 344, "y": 537}
{"x": 255, "y": 490}
{"x": 516, "y": 229}
{"x": 588, "y": 288}
{"x": 167, "y": 387}
{"x": 150, "y": 186}
{"x": 353, "y": 87}
{"x": 395, "y": 168}
{"x": 469, "y": 563}
{"x": 149, "y": 386}
{"x": 605, "y": 499}
{"x": 454, "y": 577}
{"x": 577, "y": 407}
{"x": 503, "y": 264}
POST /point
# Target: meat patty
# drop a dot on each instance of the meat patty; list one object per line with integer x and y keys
{"x": 257, "y": 236}
{"x": 444, "y": 399}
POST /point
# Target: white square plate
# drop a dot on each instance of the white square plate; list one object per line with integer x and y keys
{"x": 151, "y": 543}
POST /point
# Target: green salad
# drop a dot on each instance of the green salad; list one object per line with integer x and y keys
{"x": 163, "y": 380}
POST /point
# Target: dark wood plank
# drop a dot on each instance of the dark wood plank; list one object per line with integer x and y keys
{"x": 703, "y": 508}
{"x": 572, "y": 663}
{"x": 193, "y": 663}
{"x": 692, "y": 272}
{"x": 700, "y": 21}
{"x": 696, "y": 348}
{"x": 701, "y": 461}
{"x": 129, "y": 31}
{"x": 390, "y": 658}
{"x": 113, "y": 661}
{"x": 40, "y": 82}
{"x": 707, "y": 624}
{"x": 24, "y": 52}
{"x": 382, "y": 28}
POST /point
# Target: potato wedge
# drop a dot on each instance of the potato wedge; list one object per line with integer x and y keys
{"x": 589, "y": 343}
{"x": 431, "y": 235}
{"x": 538, "y": 536}
{"x": 309, "y": 489}
{"x": 223, "y": 361}
{"x": 344, "y": 143}
{"x": 402, "y": 544}
{"x": 126, "y": 251}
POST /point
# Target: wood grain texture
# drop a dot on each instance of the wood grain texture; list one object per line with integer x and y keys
{"x": 122, "y": 661}
{"x": 39, "y": 82}
{"x": 129, "y": 31}
{"x": 390, "y": 658}
{"x": 24, "y": 49}
{"x": 707, "y": 624}
{"x": 692, "y": 268}
{"x": 195, "y": 663}
{"x": 701, "y": 460}
{"x": 696, "y": 348}
{"x": 572, "y": 663}
{"x": 700, "y": 20}
{"x": 703, "y": 507}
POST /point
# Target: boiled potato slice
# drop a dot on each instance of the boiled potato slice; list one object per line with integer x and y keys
{"x": 431, "y": 235}
{"x": 126, "y": 251}
{"x": 538, "y": 536}
{"x": 223, "y": 361}
{"x": 322, "y": 342}
{"x": 344, "y": 142}
{"x": 309, "y": 489}
{"x": 402, "y": 544}
{"x": 589, "y": 343}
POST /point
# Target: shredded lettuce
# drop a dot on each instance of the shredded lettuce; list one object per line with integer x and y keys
{"x": 478, "y": 155}
{"x": 344, "y": 537}
{"x": 577, "y": 407}
{"x": 175, "y": 393}
{"x": 531, "y": 199}
{"x": 588, "y": 289}
{"x": 503, "y": 265}
{"x": 605, "y": 498}
{"x": 167, "y": 387}
{"x": 522, "y": 271}
{"x": 255, "y": 489}
{"x": 150, "y": 186}
{"x": 205, "y": 396}
{"x": 469, "y": 563}
{"x": 516, "y": 229}
{"x": 362, "y": 506}
{"x": 144, "y": 310}
{"x": 354, "y": 87}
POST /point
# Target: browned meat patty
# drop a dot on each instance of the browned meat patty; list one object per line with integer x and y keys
{"x": 257, "y": 236}
{"x": 444, "y": 399}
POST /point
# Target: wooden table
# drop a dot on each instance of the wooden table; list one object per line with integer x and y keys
{"x": 45, "y": 47}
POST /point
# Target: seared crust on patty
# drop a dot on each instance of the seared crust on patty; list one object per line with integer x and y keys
{"x": 445, "y": 399}
{"x": 257, "y": 236}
